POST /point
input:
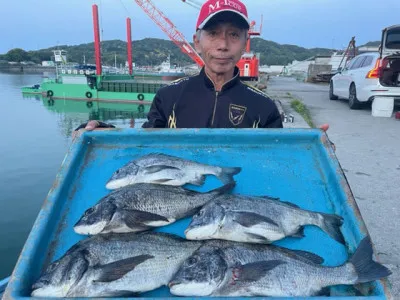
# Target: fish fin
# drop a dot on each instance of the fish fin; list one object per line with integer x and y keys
{"x": 316, "y": 259}
{"x": 270, "y": 198}
{"x": 291, "y": 204}
{"x": 133, "y": 218}
{"x": 331, "y": 225}
{"x": 299, "y": 233}
{"x": 258, "y": 237}
{"x": 324, "y": 292}
{"x": 254, "y": 271}
{"x": 193, "y": 211}
{"x": 285, "y": 202}
{"x": 119, "y": 268}
{"x": 223, "y": 189}
{"x": 158, "y": 168}
{"x": 226, "y": 175}
{"x": 199, "y": 181}
{"x": 162, "y": 180}
{"x": 367, "y": 269}
{"x": 248, "y": 219}
{"x": 121, "y": 294}
{"x": 357, "y": 292}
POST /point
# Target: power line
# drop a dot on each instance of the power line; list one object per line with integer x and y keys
{"x": 123, "y": 5}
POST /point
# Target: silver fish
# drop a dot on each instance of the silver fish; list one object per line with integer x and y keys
{"x": 263, "y": 270}
{"x": 168, "y": 170}
{"x": 143, "y": 206}
{"x": 257, "y": 220}
{"x": 113, "y": 265}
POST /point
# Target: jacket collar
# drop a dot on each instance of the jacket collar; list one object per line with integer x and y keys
{"x": 210, "y": 84}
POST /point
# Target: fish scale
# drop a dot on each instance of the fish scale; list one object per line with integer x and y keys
{"x": 237, "y": 269}
{"x": 257, "y": 219}
{"x": 167, "y": 170}
{"x": 173, "y": 200}
{"x": 83, "y": 270}
{"x": 142, "y": 206}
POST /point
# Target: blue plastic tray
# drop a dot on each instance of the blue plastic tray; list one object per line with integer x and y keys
{"x": 295, "y": 165}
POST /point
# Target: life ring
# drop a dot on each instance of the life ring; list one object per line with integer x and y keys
{"x": 140, "y": 97}
{"x": 89, "y": 95}
{"x": 140, "y": 108}
{"x": 89, "y": 104}
{"x": 50, "y": 102}
{"x": 50, "y": 93}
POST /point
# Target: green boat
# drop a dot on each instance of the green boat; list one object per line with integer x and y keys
{"x": 116, "y": 88}
{"x": 35, "y": 89}
{"x": 99, "y": 110}
{"x": 75, "y": 112}
{"x": 94, "y": 83}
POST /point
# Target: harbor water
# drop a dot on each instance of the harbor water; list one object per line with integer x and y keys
{"x": 35, "y": 137}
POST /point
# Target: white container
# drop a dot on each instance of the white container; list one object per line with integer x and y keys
{"x": 382, "y": 107}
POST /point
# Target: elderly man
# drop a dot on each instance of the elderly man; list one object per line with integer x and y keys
{"x": 215, "y": 98}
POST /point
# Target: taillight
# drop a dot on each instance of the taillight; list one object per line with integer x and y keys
{"x": 376, "y": 71}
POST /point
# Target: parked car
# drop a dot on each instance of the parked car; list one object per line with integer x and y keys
{"x": 372, "y": 74}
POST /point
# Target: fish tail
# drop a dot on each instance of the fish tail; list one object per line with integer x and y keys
{"x": 331, "y": 225}
{"x": 226, "y": 174}
{"x": 223, "y": 189}
{"x": 367, "y": 269}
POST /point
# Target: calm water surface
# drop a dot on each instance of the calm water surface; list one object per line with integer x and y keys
{"x": 34, "y": 139}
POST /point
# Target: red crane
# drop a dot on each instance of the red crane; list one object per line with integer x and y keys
{"x": 168, "y": 27}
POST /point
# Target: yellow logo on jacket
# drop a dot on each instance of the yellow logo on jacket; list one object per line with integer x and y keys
{"x": 172, "y": 119}
{"x": 236, "y": 114}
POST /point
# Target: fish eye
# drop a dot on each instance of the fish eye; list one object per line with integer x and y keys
{"x": 117, "y": 172}
{"x": 189, "y": 277}
{"x": 53, "y": 266}
{"x": 45, "y": 282}
{"x": 192, "y": 261}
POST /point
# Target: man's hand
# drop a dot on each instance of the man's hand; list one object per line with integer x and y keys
{"x": 91, "y": 125}
{"x": 325, "y": 128}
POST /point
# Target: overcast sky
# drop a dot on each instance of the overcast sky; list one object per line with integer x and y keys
{"x": 37, "y": 24}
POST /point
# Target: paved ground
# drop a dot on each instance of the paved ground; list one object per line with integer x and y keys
{"x": 368, "y": 149}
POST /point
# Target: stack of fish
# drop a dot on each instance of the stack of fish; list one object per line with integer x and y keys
{"x": 227, "y": 250}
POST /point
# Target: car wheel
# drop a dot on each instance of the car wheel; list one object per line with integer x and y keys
{"x": 332, "y": 96}
{"x": 353, "y": 101}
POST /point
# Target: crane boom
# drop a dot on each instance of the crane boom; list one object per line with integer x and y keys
{"x": 168, "y": 27}
{"x": 193, "y": 3}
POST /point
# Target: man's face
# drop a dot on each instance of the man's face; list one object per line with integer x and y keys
{"x": 221, "y": 45}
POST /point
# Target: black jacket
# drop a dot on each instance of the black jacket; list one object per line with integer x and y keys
{"x": 192, "y": 102}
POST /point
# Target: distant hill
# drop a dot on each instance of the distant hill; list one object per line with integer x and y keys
{"x": 151, "y": 51}
{"x": 272, "y": 53}
{"x": 372, "y": 44}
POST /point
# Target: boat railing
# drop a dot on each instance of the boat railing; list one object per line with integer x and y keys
{"x": 49, "y": 80}
{"x": 68, "y": 71}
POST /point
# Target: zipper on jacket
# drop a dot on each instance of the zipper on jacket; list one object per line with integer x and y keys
{"x": 215, "y": 108}
{"x": 216, "y": 94}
